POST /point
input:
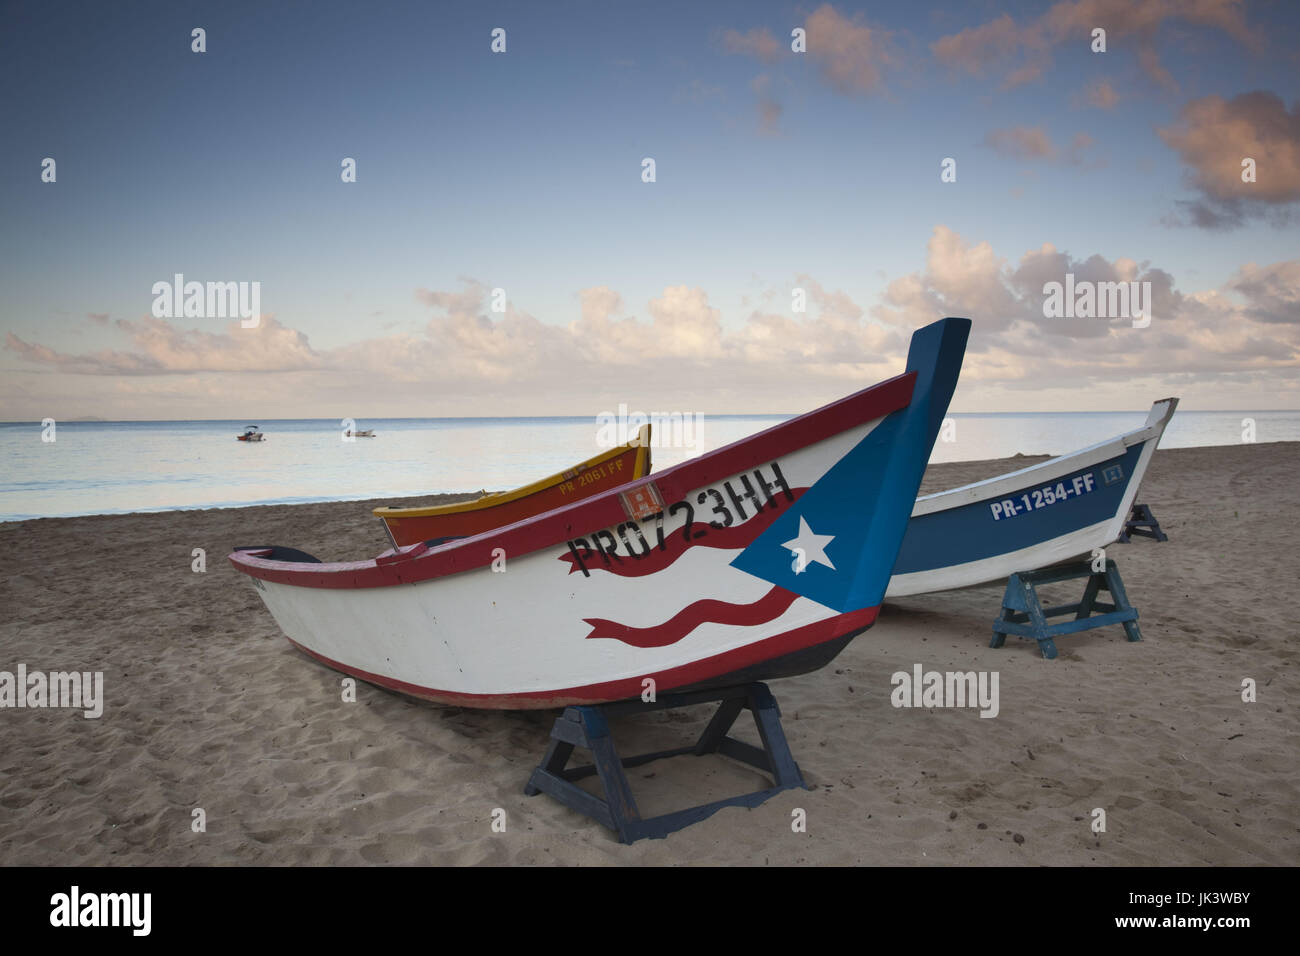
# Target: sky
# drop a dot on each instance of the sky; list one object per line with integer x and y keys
{"x": 501, "y": 251}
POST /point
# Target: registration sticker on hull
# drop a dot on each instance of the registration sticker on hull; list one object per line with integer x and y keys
{"x": 643, "y": 502}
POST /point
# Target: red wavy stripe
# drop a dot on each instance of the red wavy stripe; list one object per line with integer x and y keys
{"x": 767, "y": 608}
{"x": 728, "y": 539}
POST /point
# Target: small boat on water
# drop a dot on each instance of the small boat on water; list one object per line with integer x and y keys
{"x": 251, "y": 433}
{"x": 755, "y": 561}
{"x": 368, "y": 433}
{"x": 609, "y": 469}
{"x": 1028, "y": 519}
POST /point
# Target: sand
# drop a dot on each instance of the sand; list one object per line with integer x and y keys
{"x": 209, "y": 707}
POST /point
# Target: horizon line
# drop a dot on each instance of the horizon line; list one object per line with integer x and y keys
{"x": 91, "y": 420}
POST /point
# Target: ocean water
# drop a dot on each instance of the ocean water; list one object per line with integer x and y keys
{"x": 115, "y": 467}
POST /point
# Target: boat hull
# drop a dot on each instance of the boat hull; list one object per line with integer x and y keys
{"x": 811, "y": 650}
{"x": 1028, "y": 519}
{"x": 576, "y": 622}
{"x": 755, "y": 561}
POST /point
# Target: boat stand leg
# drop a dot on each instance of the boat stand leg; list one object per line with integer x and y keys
{"x": 1038, "y": 620}
{"x": 1010, "y": 598}
{"x": 557, "y": 755}
{"x": 588, "y": 727}
{"x": 723, "y": 719}
{"x": 1115, "y": 585}
{"x": 767, "y": 718}
{"x": 1022, "y": 614}
{"x": 618, "y": 792}
{"x": 1141, "y": 523}
{"x": 1090, "y": 592}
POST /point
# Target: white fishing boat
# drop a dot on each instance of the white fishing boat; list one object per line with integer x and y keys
{"x": 758, "y": 560}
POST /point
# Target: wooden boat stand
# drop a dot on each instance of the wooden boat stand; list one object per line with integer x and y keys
{"x": 1024, "y": 615}
{"x": 588, "y": 727}
{"x": 1141, "y": 522}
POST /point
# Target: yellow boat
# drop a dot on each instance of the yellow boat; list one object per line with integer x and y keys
{"x": 607, "y": 470}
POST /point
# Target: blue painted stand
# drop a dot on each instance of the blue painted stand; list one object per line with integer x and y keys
{"x": 1024, "y": 615}
{"x": 588, "y": 727}
{"x": 1143, "y": 523}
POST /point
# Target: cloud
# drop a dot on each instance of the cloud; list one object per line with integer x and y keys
{"x": 758, "y": 42}
{"x": 1020, "y": 142}
{"x": 467, "y": 299}
{"x": 1213, "y": 136}
{"x": 977, "y": 48}
{"x": 680, "y": 353}
{"x": 769, "y": 110}
{"x": 960, "y": 278}
{"x": 1032, "y": 144}
{"x": 161, "y": 348}
{"x": 1272, "y": 292}
{"x": 677, "y": 353}
{"x": 99, "y": 318}
{"x": 1021, "y": 52}
{"x": 1207, "y": 335}
{"x": 850, "y": 54}
{"x": 1102, "y": 95}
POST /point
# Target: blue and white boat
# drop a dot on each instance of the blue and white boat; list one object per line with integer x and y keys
{"x": 1028, "y": 519}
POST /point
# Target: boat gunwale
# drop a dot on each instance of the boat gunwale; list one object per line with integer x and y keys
{"x": 641, "y": 444}
{"x": 988, "y": 488}
{"x": 417, "y": 563}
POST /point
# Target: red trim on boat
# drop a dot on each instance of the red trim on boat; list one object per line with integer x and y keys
{"x": 767, "y": 608}
{"x": 802, "y": 638}
{"x": 602, "y": 511}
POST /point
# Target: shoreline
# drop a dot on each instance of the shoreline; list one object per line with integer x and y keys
{"x": 936, "y": 479}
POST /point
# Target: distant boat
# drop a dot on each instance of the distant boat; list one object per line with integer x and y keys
{"x": 368, "y": 433}
{"x": 607, "y": 470}
{"x": 755, "y": 561}
{"x": 1027, "y": 519}
{"x": 250, "y": 434}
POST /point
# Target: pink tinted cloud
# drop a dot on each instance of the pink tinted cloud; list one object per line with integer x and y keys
{"x": 1213, "y": 136}
{"x": 1102, "y": 95}
{"x": 1021, "y": 52}
{"x": 851, "y": 55}
{"x": 758, "y": 42}
{"x": 470, "y": 360}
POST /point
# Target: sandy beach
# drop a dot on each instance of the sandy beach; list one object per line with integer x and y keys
{"x": 208, "y": 706}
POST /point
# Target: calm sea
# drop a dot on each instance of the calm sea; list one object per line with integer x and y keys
{"x": 113, "y": 467}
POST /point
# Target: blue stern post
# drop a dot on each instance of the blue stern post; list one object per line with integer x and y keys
{"x": 865, "y": 499}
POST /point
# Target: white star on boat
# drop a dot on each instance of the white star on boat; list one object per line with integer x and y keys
{"x": 809, "y": 547}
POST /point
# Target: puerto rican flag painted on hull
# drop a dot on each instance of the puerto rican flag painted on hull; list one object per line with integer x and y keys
{"x": 757, "y": 553}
